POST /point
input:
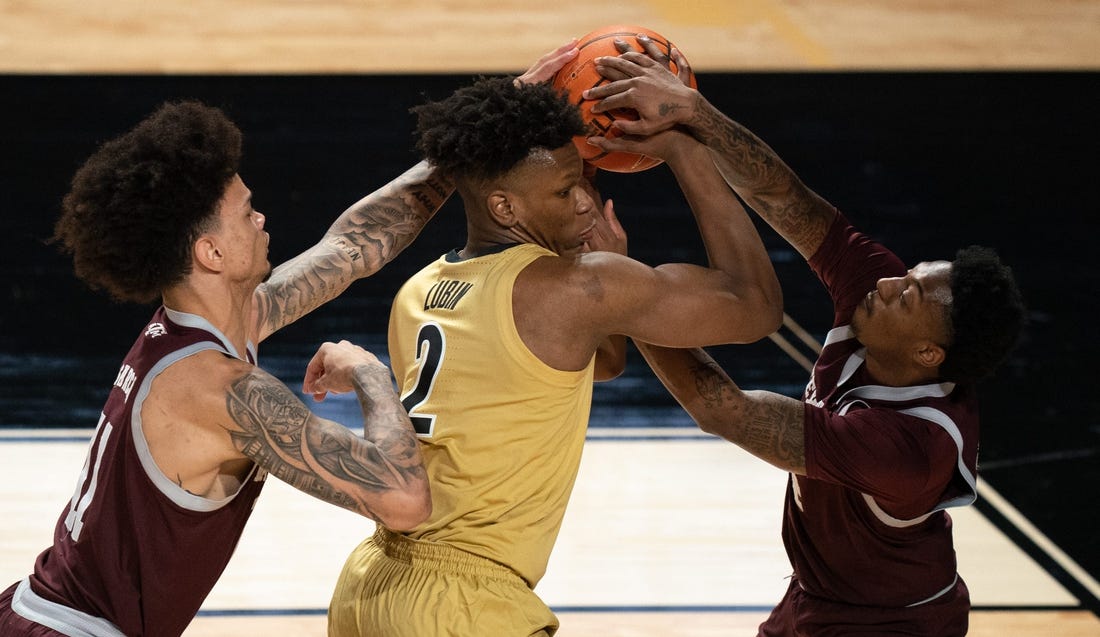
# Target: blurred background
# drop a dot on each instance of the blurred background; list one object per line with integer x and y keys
{"x": 932, "y": 126}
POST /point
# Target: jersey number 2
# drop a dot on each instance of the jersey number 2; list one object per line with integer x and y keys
{"x": 430, "y": 345}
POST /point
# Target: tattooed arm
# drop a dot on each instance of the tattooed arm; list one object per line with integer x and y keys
{"x": 766, "y": 424}
{"x": 379, "y": 475}
{"x": 365, "y": 237}
{"x": 764, "y": 181}
{"x": 748, "y": 165}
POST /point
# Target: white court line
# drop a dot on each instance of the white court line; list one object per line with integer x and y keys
{"x": 653, "y": 523}
{"x": 1032, "y": 533}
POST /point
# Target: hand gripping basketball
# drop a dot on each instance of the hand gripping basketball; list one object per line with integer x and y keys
{"x": 581, "y": 74}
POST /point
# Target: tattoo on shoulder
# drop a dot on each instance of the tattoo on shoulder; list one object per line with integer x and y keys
{"x": 179, "y": 483}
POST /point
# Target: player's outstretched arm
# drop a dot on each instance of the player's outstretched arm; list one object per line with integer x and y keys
{"x": 380, "y": 475}
{"x": 749, "y": 165}
{"x": 364, "y": 238}
{"x": 766, "y": 424}
{"x": 732, "y": 243}
{"x": 754, "y": 299}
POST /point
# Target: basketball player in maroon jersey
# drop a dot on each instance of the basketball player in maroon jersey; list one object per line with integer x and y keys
{"x": 885, "y": 437}
{"x": 192, "y": 425}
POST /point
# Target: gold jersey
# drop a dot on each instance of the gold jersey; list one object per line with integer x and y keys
{"x": 501, "y": 432}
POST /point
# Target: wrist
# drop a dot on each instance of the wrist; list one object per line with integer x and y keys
{"x": 700, "y": 117}
{"x": 369, "y": 378}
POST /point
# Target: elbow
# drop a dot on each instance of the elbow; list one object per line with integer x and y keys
{"x": 768, "y": 311}
{"x": 609, "y": 370}
{"x": 707, "y": 426}
{"x": 759, "y": 315}
{"x": 407, "y": 510}
{"x": 711, "y": 418}
{"x": 773, "y": 318}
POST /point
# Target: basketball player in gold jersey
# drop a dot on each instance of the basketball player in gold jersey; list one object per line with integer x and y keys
{"x": 495, "y": 347}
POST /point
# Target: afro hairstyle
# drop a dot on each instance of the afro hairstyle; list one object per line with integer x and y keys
{"x": 484, "y": 130}
{"x": 987, "y": 315}
{"x": 139, "y": 202}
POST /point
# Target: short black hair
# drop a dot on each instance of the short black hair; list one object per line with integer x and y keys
{"x": 485, "y": 129}
{"x": 140, "y": 201}
{"x": 987, "y": 315}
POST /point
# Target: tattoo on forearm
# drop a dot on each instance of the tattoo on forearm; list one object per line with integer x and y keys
{"x": 709, "y": 382}
{"x": 796, "y": 216}
{"x": 389, "y": 428}
{"x": 346, "y": 247}
{"x": 774, "y": 425}
{"x": 757, "y": 168}
{"x": 767, "y": 425}
{"x": 366, "y": 237}
{"x": 306, "y": 282}
{"x": 751, "y": 165}
{"x": 385, "y": 223}
{"x": 321, "y": 458}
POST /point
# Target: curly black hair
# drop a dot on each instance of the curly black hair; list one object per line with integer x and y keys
{"x": 485, "y": 129}
{"x": 140, "y": 201}
{"x": 987, "y": 315}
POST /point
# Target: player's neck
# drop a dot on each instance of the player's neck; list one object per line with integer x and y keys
{"x": 471, "y": 251}
{"x": 228, "y": 310}
{"x": 899, "y": 375}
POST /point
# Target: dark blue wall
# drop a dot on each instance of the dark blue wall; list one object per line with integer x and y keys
{"x": 925, "y": 162}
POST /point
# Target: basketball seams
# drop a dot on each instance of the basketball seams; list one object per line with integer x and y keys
{"x": 580, "y": 74}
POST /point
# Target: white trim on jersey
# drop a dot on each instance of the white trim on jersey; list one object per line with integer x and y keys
{"x": 890, "y": 520}
{"x": 883, "y": 393}
{"x": 67, "y": 621}
{"x": 164, "y": 484}
{"x": 196, "y": 321}
{"x": 886, "y": 393}
{"x": 838, "y": 334}
{"x": 850, "y": 366}
{"x": 946, "y": 589}
{"x": 943, "y": 420}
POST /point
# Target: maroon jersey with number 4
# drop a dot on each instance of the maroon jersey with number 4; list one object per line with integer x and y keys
{"x": 866, "y": 526}
{"x": 133, "y": 552}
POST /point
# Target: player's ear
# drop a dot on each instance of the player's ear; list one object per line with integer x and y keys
{"x": 207, "y": 253}
{"x": 500, "y": 208}
{"x": 929, "y": 354}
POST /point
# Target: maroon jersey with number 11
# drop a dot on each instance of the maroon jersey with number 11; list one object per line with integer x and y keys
{"x": 133, "y": 552}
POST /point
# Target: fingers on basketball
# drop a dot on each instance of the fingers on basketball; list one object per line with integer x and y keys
{"x": 580, "y": 74}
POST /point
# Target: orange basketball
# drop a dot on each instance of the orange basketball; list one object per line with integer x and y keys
{"x": 580, "y": 74}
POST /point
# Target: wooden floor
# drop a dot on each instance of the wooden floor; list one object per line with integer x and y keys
{"x": 696, "y": 555}
{"x": 387, "y": 36}
{"x": 982, "y": 624}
